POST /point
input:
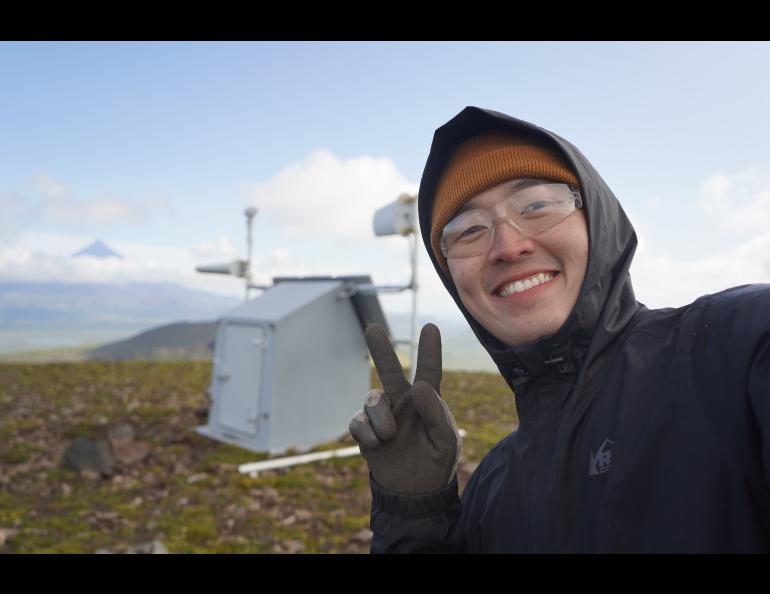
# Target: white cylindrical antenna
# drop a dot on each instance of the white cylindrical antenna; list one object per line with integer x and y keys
{"x": 396, "y": 218}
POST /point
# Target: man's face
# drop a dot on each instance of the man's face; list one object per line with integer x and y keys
{"x": 561, "y": 251}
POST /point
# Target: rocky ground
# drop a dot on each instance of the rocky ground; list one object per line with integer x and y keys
{"x": 102, "y": 458}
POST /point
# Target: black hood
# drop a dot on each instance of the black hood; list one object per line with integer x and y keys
{"x": 606, "y": 302}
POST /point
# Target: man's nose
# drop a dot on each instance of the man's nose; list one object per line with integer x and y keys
{"x": 508, "y": 242}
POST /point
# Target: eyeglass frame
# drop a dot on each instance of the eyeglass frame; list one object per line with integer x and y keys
{"x": 576, "y": 196}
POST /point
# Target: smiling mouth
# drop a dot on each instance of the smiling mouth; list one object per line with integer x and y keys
{"x": 525, "y": 284}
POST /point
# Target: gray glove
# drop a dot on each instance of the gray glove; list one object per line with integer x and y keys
{"x": 407, "y": 433}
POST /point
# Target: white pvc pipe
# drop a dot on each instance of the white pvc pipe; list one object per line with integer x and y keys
{"x": 255, "y": 468}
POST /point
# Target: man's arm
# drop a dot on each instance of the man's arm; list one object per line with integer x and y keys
{"x": 759, "y": 396}
{"x": 417, "y": 524}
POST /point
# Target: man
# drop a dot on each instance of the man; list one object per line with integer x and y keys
{"x": 640, "y": 430}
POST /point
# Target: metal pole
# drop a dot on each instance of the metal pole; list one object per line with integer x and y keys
{"x": 413, "y": 286}
{"x": 249, "y": 220}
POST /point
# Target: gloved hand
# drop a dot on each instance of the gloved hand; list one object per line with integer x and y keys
{"x": 407, "y": 433}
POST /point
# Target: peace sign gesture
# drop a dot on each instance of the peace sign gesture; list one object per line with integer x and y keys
{"x": 406, "y": 433}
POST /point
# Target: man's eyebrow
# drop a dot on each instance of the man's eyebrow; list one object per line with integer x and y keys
{"x": 512, "y": 186}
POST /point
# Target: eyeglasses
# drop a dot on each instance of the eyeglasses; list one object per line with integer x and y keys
{"x": 531, "y": 210}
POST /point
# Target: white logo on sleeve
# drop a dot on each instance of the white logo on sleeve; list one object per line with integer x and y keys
{"x": 600, "y": 463}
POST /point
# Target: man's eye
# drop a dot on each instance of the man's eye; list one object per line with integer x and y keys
{"x": 472, "y": 232}
{"x": 540, "y": 207}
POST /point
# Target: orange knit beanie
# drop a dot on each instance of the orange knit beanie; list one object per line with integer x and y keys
{"x": 485, "y": 161}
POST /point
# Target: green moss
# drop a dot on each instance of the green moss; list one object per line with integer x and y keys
{"x": 191, "y": 530}
{"x": 21, "y": 426}
{"x": 155, "y": 413}
{"x": 84, "y": 430}
{"x": 12, "y": 508}
{"x": 228, "y": 454}
{"x": 19, "y": 453}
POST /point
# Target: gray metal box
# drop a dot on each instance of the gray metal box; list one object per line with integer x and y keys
{"x": 290, "y": 366}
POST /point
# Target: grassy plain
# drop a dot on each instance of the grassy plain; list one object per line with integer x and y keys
{"x": 187, "y": 493}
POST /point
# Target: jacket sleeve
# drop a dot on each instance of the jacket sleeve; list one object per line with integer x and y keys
{"x": 731, "y": 363}
{"x": 759, "y": 395}
{"x": 432, "y": 523}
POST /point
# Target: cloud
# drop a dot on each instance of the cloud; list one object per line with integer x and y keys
{"x": 221, "y": 249}
{"x": 97, "y": 212}
{"x": 57, "y": 204}
{"x": 324, "y": 195}
{"x": 663, "y": 281}
{"x": 15, "y": 215}
{"x": 739, "y": 202}
{"x": 50, "y": 188}
{"x": 46, "y": 257}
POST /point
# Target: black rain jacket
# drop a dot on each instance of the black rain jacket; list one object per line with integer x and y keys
{"x": 640, "y": 430}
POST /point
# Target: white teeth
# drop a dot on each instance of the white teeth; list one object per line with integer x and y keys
{"x": 520, "y": 286}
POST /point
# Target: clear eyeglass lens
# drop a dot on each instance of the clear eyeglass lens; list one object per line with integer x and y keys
{"x": 531, "y": 211}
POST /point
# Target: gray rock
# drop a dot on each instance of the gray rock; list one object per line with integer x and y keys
{"x": 123, "y": 432}
{"x": 149, "y": 548}
{"x": 293, "y": 546}
{"x": 6, "y": 534}
{"x": 271, "y": 495}
{"x": 130, "y": 452}
{"x": 87, "y": 455}
{"x": 196, "y": 478}
{"x": 364, "y": 536}
{"x": 303, "y": 515}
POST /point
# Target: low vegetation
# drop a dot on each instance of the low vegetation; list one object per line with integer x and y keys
{"x": 187, "y": 493}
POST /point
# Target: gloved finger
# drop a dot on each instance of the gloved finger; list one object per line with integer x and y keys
{"x": 377, "y": 408}
{"x": 429, "y": 357}
{"x": 362, "y": 431}
{"x": 387, "y": 364}
{"x": 436, "y": 416}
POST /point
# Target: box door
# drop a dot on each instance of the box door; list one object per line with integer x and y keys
{"x": 239, "y": 374}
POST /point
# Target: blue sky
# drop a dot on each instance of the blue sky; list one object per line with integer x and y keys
{"x": 157, "y": 148}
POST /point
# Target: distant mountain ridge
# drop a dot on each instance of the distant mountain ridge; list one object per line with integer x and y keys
{"x": 161, "y": 321}
{"x": 181, "y": 340}
{"x": 32, "y": 305}
{"x": 187, "y": 340}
